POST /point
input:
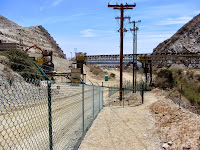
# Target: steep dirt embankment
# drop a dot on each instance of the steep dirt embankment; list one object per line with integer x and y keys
{"x": 177, "y": 127}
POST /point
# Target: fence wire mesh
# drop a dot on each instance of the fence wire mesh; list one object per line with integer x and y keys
{"x": 115, "y": 88}
{"x": 24, "y": 114}
{"x": 131, "y": 96}
{"x": 40, "y": 115}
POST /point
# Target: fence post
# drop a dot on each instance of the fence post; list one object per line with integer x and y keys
{"x": 50, "y": 117}
{"x": 83, "y": 108}
{"x": 181, "y": 90}
{"x": 110, "y": 88}
{"x": 123, "y": 94}
{"x": 93, "y": 100}
{"x": 99, "y": 98}
{"x": 102, "y": 98}
{"x": 142, "y": 93}
{"x": 135, "y": 86}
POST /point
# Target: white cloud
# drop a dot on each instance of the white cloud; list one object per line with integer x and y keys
{"x": 56, "y": 2}
{"x": 196, "y": 12}
{"x": 88, "y": 33}
{"x": 49, "y": 4}
{"x": 178, "y": 20}
{"x": 96, "y": 33}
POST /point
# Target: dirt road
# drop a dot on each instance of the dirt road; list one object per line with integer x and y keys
{"x": 156, "y": 124}
{"x": 129, "y": 128}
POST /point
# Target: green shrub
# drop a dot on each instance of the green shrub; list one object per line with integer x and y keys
{"x": 167, "y": 74}
{"x": 191, "y": 75}
{"x": 164, "y": 79}
{"x": 178, "y": 71}
{"x": 174, "y": 78}
{"x": 191, "y": 91}
{"x": 197, "y": 77}
{"x": 112, "y": 75}
{"x": 22, "y": 63}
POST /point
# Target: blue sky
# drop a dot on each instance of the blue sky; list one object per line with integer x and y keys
{"x": 90, "y": 26}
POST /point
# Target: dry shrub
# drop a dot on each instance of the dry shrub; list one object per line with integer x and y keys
{"x": 112, "y": 75}
{"x": 197, "y": 76}
{"x": 96, "y": 70}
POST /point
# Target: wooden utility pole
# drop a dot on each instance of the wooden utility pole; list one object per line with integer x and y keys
{"x": 134, "y": 29}
{"x": 121, "y": 7}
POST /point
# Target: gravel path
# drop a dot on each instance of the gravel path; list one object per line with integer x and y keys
{"x": 129, "y": 128}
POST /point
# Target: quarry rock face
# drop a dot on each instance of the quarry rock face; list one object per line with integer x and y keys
{"x": 28, "y": 36}
{"x": 186, "y": 39}
{"x": 7, "y": 24}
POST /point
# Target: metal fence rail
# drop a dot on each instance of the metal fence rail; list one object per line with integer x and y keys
{"x": 44, "y": 115}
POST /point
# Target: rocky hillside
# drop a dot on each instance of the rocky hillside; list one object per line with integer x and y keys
{"x": 28, "y": 36}
{"x": 186, "y": 39}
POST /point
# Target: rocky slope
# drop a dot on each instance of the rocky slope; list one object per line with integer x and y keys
{"x": 186, "y": 39}
{"x": 28, "y": 36}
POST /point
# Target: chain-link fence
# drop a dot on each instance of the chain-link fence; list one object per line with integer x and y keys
{"x": 130, "y": 96}
{"x": 115, "y": 88}
{"x": 39, "y": 115}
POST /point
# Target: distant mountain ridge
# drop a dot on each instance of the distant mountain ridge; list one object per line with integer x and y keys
{"x": 186, "y": 39}
{"x": 35, "y": 35}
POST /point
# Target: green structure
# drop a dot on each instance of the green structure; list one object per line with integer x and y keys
{"x": 106, "y": 78}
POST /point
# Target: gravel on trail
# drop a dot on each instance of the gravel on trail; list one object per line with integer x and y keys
{"x": 128, "y": 128}
{"x": 157, "y": 124}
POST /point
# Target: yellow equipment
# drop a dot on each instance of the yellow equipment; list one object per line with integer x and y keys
{"x": 45, "y": 62}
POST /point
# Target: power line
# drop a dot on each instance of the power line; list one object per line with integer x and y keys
{"x": 121, "y": 7}
{"x": 134, "y": 29}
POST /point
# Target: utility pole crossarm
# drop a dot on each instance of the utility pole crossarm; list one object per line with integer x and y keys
{"x": 124, "y": 17}
{"x": 124, "y": 6}
{"x": 135, "y": 29}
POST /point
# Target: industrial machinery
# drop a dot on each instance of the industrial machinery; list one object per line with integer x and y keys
{"x": 80, "y": 60}
{"x": 77, "y": 72}
{"x": 44, "y": 62}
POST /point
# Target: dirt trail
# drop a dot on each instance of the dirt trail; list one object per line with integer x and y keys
{"x": 158, "y": 123}
{"x": 129, "y": 128}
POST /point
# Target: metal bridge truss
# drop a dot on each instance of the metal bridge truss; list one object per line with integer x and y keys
{"x": 155, "y": 59}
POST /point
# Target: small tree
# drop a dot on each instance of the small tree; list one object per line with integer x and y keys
{"x": 167, "y": 74}
{"x": 22, "y": 63}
